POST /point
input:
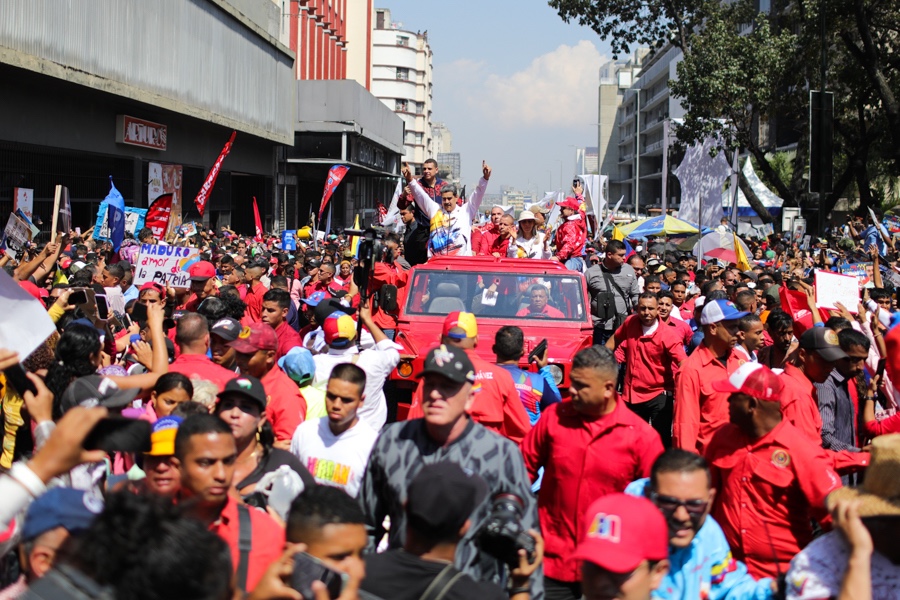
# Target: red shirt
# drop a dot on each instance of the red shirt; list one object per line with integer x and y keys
{"x": 199, "y": 366}
{"x": 385, "y": 274}
{"x": 553, "y": 313}
{"x": 285, "y": 405}
{"x": 768, "y": 491}
{"x": 652, "y": 359}
{"x": 287, "y": 338}
{"x": 497, "y": 405}
{"x": 584, "y": 458}
{"x": 682, "y": 328}
{"x": 699, "y": 409}
{"x": 255, "y": 293}
{"x": 267, "y": 539}
{"x": 489, "y": 233}
{"x": 499, "y": 245}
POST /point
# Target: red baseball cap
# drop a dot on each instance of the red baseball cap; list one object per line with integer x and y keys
{"x": 65, "y": 262}
{"x": 460, "y": 325}
{"x": 569, "y": 202}
{"x": 753, "y": 379}
{"x": 201, "y": 271}
{"x": 623, "y": 530}
{"x": 257, "y": 336}
{"x": 38, "y": 293}
{"x": 152, "y": 285}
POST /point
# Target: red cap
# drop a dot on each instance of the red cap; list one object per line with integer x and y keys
{"x": 65, "y": 262}
{"x": 623, "y": 530}
{"x": 258, "y": 336}
{"x": 152, "y": 285}
{"x": 201, "y": 271}
{"x": 38, "y": 293}
{"x": 570, "y": 202}
{"x": 753, "y": 379}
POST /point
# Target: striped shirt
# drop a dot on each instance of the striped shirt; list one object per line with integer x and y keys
{"x": 838, "y": 414}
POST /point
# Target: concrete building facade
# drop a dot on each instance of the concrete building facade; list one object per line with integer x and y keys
{"x": 402, "y": 80}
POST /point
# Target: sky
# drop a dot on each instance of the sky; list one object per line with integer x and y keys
{"x": 515, "y": 85}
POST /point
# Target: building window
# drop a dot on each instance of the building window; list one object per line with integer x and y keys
{"x": 418, "y": 138}
{"x": 401, "y": 105}
{"x": 403, "y": 73}
{"x": 420, "y": 108}
{"x": 402, "y": 40}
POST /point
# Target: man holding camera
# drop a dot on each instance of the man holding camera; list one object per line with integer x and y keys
{"x": 446, "y": 433}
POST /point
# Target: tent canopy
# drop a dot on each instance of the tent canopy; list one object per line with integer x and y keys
{"x": 713, "y": 240}
{"x": 661, "y": 225}
{"x": 768, "y": 198}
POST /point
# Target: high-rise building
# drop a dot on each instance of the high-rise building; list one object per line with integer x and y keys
{"x": 448, "y": 166}
{"x": 443, "y": 139}
{"x": 586, "y": 161}
{"x": 319, "y": 37}
{"x": 358, "y": 47}
{"x": 402, "y": 80}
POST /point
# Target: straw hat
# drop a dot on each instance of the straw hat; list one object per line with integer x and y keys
{"x": 880, "y": 492}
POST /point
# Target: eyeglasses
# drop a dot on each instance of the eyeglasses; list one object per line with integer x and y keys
{"x": 670, "y": 504}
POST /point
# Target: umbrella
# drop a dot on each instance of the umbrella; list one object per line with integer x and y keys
{"x": 726, "y": 254}
{"x": 689, "y": 242}
{"x": 715, "y": 240}
{"x": 661, "y": 225}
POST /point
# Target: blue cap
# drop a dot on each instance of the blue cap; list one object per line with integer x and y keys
{"x": 314, "y": 299}
{"x": 720, "y": 310}
{"x": 73, "y": 510}
{"x": 298, "y": 363}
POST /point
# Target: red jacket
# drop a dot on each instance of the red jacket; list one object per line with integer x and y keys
{"x": 571, "y": 237}
{"x": 583, "y": 459}
{"x": 486, "y": 236}
{"x": 385, "y": 274}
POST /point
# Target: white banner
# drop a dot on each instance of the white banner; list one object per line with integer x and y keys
{"x": 166, "y": 265}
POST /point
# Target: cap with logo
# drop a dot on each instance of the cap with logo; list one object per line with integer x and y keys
{"x": 201, "y": 270}
{"x": 451, "y": 362}
{"x": 73, "y": 510}
{"x": 255, "y": 337}
{"x": 753, "y": 379}
{"x": 569, "y": 202}
{"x": 460, "y": 325}
{"x": 339, "y": 329}
{"x": 96, "y": 390}
{"x": 314, "y": 298}
{"x": 623, "y": 531}
{"x": 226, "y": 328}
{"x": 162, "y": 436}
{"x": 824, "y": 342}
{"x": 247, "y": 386}
{"x": 441, "y": 497}
{"x": 720, "y": 310}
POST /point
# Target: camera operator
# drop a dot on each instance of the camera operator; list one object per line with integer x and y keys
{"x": 387, "y": 278}
{"x": 446, "y": 432}
{"x": 439, "y": 502}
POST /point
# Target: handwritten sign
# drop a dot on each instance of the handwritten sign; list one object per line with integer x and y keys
{"x": 834, "y": 288}
{"x": 166, "y": 265}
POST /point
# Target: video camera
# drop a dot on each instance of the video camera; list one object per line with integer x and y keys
{"x": 371, "y": 250}
{"x": 502, "y": 535}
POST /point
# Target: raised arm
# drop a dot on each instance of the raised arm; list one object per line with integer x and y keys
{"x": 474, "y": 202}
{"x": 422, "y": 200}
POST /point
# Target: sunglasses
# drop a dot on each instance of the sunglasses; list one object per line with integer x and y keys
{"x": 669, "y": 504}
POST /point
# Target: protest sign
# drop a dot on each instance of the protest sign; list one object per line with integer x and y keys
{"x": 166, "y": 265}
{"x": 62, "y": 210}
{"x": 862, "y": 272}
{"x": 187, "y": 230}
{"x": 16, "y": 235}
{"x": 23, "y": 199}
{"x": 289, "y": 239}
{"x": 134, "y": 221}
{"x": 834, "y": 288}
{"x": 24, "y": 323}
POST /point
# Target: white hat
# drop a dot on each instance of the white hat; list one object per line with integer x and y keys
{"x": 526, "y": 215}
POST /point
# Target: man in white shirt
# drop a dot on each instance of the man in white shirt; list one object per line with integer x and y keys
{"x": 378, "y": 362}
{"x": 450, "y": 230}
{"x": 336, "y": 447}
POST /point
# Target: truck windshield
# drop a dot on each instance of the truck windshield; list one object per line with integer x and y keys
{"x": 502, "y": 295}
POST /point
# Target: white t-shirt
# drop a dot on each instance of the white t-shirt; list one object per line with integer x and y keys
{"x": 818, "y": 571}
{"x": 336, "y": 460}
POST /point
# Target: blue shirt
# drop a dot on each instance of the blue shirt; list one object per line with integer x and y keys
{"x": 705, "y": 569}
{"x": 537, "y": 391}
{"x": 870, "y": 236}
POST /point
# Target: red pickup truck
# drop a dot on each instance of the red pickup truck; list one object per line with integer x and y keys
{"x": 498, "y": 292}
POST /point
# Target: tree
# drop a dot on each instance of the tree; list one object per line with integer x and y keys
{"x": 744, "y": 72}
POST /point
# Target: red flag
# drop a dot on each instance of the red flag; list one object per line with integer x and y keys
{"x": 794, "y": 303}
{"x": 203, "y": 194}
{"x": 259, "y": 229}
{"x": 380, "y": 212}
{"x": 157, "y": 218}
{"x": 335, "y": 175}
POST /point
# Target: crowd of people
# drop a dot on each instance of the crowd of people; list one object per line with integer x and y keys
{"x": 722, "y": 438}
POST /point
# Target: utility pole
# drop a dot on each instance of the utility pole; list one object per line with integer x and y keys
{"x": 637, "y": 153}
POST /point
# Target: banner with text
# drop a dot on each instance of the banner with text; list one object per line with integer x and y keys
{"x": 166, "y": 265}
{"x": 134, "y": 221}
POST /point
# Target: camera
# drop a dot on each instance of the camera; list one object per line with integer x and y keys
{"x": 371, "y": 250}
{"x": 502, "y": 535}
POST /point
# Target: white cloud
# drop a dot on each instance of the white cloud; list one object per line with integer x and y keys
{"x": 558, "y": 89}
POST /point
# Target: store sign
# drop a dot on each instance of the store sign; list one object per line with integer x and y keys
{"x": 138, "y": 132}
{"x": 369, "y": 155}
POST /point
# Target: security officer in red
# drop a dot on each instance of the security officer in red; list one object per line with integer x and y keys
{"x": 771, "y": 479}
